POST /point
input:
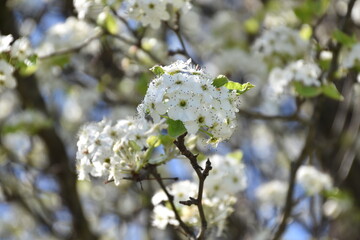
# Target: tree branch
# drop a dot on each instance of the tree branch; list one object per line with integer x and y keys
{"x": 180, "y": 143}
{"x": 292, "y": 180}
{"x": 336, "y": 50}
{"x": 71, "y": 50}
{"x": 170, "y": 197}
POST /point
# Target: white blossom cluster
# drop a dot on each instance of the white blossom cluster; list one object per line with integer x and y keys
{"x": 352, "y": 59}
{"x": 272, "y": 193}
{"x": 307, "y": 73}
{"x": 18, "y": 51}
{"x": 111, "y": 150}
{"x": 279, "y": 44}
{"x": 218, "y": 196}
{"x": 183, "y": 92}
{"x": 152, "y": 12}
{"x": 312, "y": 180}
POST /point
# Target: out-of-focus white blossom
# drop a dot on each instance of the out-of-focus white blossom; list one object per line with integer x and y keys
{"x": 21, "y": 49}
{"x": 235, "y": 61}
{"x": 306, "y": 73}
{"x": 183, "y": 5}
{"x": 217, "y": 208}
{"x": 29, "y": 120}
{"x": 162, "y": 216}
{"x": 272, "y": 193}
{"x": 355, "y": 14}
{"x": 326, "y": 55}
{"x": 312, "y": 180}
{"x": 280, "y": 43}
{"x": 5, "y": 42}
{"x": 352, "y": 59}
{"x": 185, "y": 93}
{"x": 112, "y": 150}
{"x": 152, "y": 12}
{"x": 8, "y": 102}
{"x": 69, "y": 34}
{"x": 88, "y": 8}
{"x": 148, "y": 12}
{"x": 7, "y": 79}
{"x": 226, "y": 177}
{"x": 332, "y": 208}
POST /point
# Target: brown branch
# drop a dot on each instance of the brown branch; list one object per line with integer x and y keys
{"x": 289, "y": 202}
{"x": 336, "y": 50}
{"x": 176, "y": 30}
{"x": 72, "y": 49}
{"x": 170, "y": 197}
{"x": 59, "y": 162}
{"x": 202, "y": 174}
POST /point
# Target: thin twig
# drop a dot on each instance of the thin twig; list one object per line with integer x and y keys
{"x": 170, "y": 197}
{"x": 138, "y": 38}
{"x": 180, "y": 143}
{"x": 292, "y": 180}
{"x": 72, "y": 49}
{"x": 176, "y": 30}
{"x": 336, "y": 50}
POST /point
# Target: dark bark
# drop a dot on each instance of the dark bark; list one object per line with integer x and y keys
{"x": 59, "y": 162}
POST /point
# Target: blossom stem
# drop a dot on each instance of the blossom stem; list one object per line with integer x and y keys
{"x": 170, "y": 197}
{"x": 180, "y": 143}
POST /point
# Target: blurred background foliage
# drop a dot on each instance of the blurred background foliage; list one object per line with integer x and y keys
{"x": 107, "y": 76}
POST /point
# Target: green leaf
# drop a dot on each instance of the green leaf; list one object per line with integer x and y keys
{"x": 238, "y": 155}
{"x": 142, "y": 83}
{"x": 306, "y": 32}
{"x": 134, "y": 145}
{"x": 60, "y": 60}
{"x": 30, "y": 128}
{"x": 343, "y": 38}
{"x": 153, "y": 141}
{"x": 331, "y": 91}
{"x": 108, "y": 21}
{"x": 311, "y": 9}
{"x": 307, "y": 91}
{"x": 337, "y": 194}
{"x": 176, "y": 128}
{"x": 166, "y": 140}
{"x": 27, "y": 70}
{"x": 252, "y": 25}
{"x": 240, "y": 88}
{"x": 219, "y": 81}
{"x": 157, "y": 70}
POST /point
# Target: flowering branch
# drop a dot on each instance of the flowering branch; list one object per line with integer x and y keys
{"x": 202, "y": 174}
{"x": 170, "y": 197}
